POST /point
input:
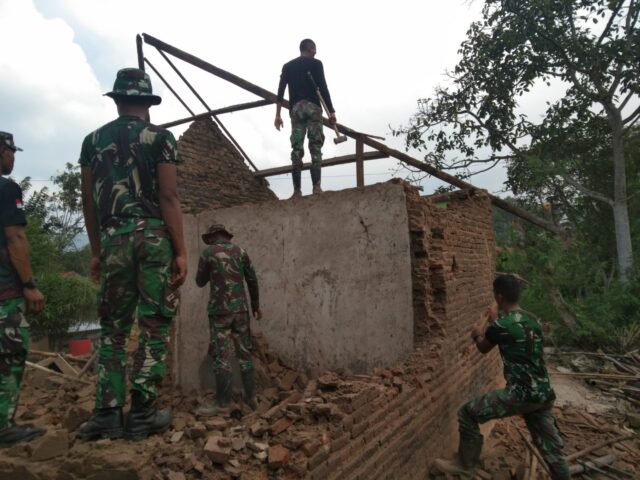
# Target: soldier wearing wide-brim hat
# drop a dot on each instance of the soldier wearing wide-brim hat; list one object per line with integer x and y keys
{"x": 133, "y": 83}
{"x": 6, "y": 140}
{"x": 208, "y": 237}
{"x": 226, "y": 267}
{"x": 18, "y": 294}
{"x": 134, "y": 222}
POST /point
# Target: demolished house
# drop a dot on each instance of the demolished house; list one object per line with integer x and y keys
{"x": 363, "y": 355}
{"x": 360, "y": 281}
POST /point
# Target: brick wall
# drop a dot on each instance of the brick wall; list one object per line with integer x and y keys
{"x": 395, "y": 428}
{"x": 214, "y": 174}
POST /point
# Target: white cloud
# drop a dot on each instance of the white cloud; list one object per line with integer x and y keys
{"x": 378, "y": 60}
{"x": 49, "y": 96}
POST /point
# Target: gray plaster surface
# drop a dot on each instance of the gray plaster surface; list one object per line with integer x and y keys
{"x": 335, "y": 280}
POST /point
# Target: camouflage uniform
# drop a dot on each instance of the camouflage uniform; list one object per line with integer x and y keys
{"x": 528, "y": 393}
{"x": 135, "y": 252}
{"x": 14, "y": 329}
{"x": 306, "y": 118}
{"x": 226, "y": 266}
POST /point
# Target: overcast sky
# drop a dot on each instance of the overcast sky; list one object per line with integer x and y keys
{"x": 59, "y": 56}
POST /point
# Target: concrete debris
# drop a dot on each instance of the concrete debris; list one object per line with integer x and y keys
{"x": 330, "y": 427}
{"x": 278, "y": 456}
{"x": 217, "y": 449}
{"x": 53, "y": 444}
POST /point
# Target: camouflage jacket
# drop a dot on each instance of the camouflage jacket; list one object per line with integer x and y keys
{"x": 11, "y": 213}
{"x": 124, "y": 155}
{"x": 226, "y": 266}
{"x": 519, "y": 337}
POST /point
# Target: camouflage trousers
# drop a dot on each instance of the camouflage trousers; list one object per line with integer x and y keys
{"x": 501, "y": 404}
{"x": 306, "y": 119}
{"x": 135, "y": 271}
{"x": 14, "y": 345}
{"x": 228, "y": 330}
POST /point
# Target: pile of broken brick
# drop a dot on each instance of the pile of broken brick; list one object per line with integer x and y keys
{"x": 294, "y": 429}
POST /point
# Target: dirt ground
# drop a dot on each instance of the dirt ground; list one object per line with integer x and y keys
{"x": 292, "y": 423}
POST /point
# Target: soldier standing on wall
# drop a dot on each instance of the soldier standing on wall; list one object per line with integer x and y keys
{"x": 528, "y": 391}
{"x": 134, "y": 223}
{"x": 305, "y": 111}
{"x": 226, "y": 267}
{"x": 18, "y": 294}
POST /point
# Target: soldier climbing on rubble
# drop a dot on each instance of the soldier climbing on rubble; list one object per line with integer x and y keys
{"x": 134, "y": 222}
{"x": 226, "y": 267}
{"x": 18, "y": 294}
{"x": 305, "y": 111}
{"x": 528, "y": 391}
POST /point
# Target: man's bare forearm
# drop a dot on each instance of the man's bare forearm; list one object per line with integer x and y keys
{"x": 90, "y": 220}
{"x": 172, "y": 216}
{"x": 18, "y": 247}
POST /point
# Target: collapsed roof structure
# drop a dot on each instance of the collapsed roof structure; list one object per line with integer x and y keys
{"x": 380, "y": 150}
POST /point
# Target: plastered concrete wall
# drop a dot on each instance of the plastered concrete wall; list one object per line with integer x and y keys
{"x": 335, "y": 280}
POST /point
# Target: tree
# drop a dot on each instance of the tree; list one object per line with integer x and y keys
{"x": 588, "y": 46}
{"x": 54, "y": 222}
{"x": 58, "y": 213}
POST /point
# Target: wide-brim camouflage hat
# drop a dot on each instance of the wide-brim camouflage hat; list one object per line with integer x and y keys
{"x": 216, "y": 228}
{"x": 6, "y": 139}
{"x": 133, "y": 82}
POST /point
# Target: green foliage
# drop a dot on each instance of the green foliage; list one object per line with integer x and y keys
{"x": 573, "y": 155}
{"x": 54, "y": 223}
{"x": 58, "y": 213}
{"x": 569, "y": 278}
{"x": 71, "y": 299}
{"x": 43, "y": 249}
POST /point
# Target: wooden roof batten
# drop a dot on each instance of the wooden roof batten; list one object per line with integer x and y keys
{"x": 381, "y": 150}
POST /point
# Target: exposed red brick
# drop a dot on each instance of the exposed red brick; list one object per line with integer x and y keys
{"x": 278, "y": 456}
{"x": 213, "y": 173}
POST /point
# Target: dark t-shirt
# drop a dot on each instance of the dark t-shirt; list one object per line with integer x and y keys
{"x": 294, "y": 74}
{"x": 11, "y": 213}
{"x": 519, "y": 337}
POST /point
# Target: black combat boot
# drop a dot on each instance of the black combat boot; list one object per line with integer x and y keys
{"x": 104, "y": 423}
{"x": 315, "y": 178}
{"x": 249, "y": 385}
{"x": 144, "y": 419}
{"x": 13, "y": 434}
{"x": 221, "y": 407}
{"x": 296, "y": 175}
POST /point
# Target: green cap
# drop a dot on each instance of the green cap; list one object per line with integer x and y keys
{"x": 218, "y": 227}
{"x": 7, "y": 139}
{"x": 133, "y": 82}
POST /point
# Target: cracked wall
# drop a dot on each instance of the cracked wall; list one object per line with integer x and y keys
{"x": 335, "y": 277}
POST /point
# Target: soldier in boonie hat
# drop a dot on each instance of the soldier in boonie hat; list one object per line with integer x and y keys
{"x": 212, "y": 230}
{"x": 133, "y": 82}
{"x": 6, "y": 140}
{"x": 145, "y": 252}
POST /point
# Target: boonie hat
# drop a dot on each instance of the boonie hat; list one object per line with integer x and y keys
{"x": 133, "y": 82}
{"x": 6, "y": 139}
{"x": 218, "y": 227}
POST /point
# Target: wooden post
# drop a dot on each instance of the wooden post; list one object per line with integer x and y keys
{"x": 140, "y": 53}
{"x": 359, "y": 162}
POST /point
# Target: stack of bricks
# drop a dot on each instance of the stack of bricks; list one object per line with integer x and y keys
{"x": 214, "y": 174}
{"x": 397, "y": 429}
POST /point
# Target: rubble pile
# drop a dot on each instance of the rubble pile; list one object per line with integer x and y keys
{"x": 304, "y": 427}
